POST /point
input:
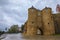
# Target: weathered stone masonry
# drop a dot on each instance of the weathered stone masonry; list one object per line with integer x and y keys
{"x": 42, "y": 20}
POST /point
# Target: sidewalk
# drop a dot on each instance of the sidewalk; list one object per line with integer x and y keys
{"x": 22, "y": 37}
{"x": 3, "y": 36}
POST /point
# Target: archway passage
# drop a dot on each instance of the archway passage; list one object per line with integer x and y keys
{"x": 39, "y": 31}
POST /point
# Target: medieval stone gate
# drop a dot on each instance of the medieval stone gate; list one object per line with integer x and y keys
{"x": 39, "y": 21}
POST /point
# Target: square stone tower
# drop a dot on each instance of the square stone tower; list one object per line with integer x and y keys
{"x": 32, "y": 21}
{"x": 48, "y": 23}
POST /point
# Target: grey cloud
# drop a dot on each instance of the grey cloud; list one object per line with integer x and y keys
{"x": 4, "y": 2}
{"x": 16, "y": 11}
{"x": 49, "y": 3}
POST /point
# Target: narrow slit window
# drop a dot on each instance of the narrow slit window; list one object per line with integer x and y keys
{"x": 32, "y": 22}
{"x": 48, "y": 23}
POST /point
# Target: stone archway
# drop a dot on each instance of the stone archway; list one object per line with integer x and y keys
{"x": 39, "y": 31}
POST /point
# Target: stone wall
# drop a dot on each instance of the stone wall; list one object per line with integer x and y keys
{"x": 48, "y": 23}
{"x": 32, "y": 20}
{"x": 39, "y": 22}
{"x": 57, "y": 22}
{"x": 42, "y": 20}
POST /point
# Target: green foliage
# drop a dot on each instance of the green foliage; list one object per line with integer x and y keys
{"x": 13, "y": 29}
{"x": 2, "y": 32}
{"x": 22, "y": 28}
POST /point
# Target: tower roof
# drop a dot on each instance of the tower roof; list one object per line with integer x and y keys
{"x": 47, "y": 7}
{"x": 32, "y": 7}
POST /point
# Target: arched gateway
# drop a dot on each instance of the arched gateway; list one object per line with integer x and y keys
{"x": 40, "y": 22}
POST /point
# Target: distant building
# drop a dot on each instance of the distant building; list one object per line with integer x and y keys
{"x": 58, "y": 8}
{"x": 42, "y": 20}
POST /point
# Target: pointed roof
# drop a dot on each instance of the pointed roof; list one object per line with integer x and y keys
{"x": 33, "y": 7}
{"x": 47, "y": 7}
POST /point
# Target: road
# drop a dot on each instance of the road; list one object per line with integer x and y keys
{"x": 21, "y": 37}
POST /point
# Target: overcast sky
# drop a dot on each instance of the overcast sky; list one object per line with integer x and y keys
{"x": 16, "y": 11}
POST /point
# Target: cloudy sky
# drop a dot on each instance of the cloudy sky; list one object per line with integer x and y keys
{"x": 16, "y": 11}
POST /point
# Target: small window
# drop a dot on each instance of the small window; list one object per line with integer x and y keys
{"x": 32, "y": 22}
{"x": 48, "y": 23}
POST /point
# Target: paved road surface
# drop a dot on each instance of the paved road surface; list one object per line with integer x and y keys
{"x": 3, "y": 36}
{"x": 21, "y": 37}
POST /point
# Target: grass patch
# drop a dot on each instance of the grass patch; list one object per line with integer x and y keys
{"x": 56, "y": 35}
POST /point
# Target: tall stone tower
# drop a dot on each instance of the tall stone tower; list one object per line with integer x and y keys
{"x": 32, "y": 21}
{"x": 48, "y": 23}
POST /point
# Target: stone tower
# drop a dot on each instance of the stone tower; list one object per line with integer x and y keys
{"x": 48, "y": 23}
{"x": 32, "y": 20}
